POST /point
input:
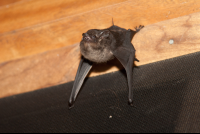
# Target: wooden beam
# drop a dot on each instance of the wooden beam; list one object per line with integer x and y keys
{"x": 29, "y": 13}
{"x": 8, "y": 2}
{"x": 60, "y": 66}
{"x": 35, "y": 26}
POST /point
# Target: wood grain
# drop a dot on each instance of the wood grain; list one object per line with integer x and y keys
{"x": 38, "y": 26}
{"x": 153, "y": 44}
{"x": 36, "y": 12}
{"x": 8, "y": 2}
{"x": 38, "y": 71}
{"x": 60, "y": 66}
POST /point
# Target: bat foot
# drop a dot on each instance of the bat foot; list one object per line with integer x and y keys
{"x": 138, "y": 28}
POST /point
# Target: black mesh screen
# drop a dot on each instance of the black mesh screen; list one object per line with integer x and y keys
{"x": 166, "y": 99}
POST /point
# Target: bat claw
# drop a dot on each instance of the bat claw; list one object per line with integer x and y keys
{"x": 71, "y": 104}
{"x": 70, "y": 107}
{"x": 136, "y": 60}
{"x": 130, "y": 102}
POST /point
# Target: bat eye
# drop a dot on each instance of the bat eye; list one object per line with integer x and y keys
{"x": 93, "y": 36}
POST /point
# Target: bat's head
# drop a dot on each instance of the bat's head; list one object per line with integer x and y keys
{"x": 95, "y": 45}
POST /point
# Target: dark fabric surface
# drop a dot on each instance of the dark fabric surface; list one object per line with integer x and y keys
{"x": 166, "y": 99}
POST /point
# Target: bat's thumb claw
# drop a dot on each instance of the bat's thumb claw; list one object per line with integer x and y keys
{"x": 71, "y": 104}
{"x": 130, "y": 102}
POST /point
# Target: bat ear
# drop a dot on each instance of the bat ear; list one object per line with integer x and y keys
{"x": 112, "y": 22}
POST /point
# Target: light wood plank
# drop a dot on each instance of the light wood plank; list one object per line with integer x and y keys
{"x": 34, "y": 12}
{"x": 60, "y": 66}
{"x": 64, "y": 31}
{"x": 8, "y": 2}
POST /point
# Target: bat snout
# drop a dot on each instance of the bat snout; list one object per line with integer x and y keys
{"x": 86, "y": 37}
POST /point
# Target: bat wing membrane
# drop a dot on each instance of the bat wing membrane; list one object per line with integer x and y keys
{"x": 83, "y": 70}
{"x": 126, "y": 55}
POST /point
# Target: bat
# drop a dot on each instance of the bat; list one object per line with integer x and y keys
{"x": 102, "y": 45}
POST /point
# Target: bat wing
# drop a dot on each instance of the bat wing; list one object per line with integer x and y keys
{"x": 125, "y": 53}
{"x": 83, "y": 69}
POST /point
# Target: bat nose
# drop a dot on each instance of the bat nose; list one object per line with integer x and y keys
{"x": 86, "y": 37}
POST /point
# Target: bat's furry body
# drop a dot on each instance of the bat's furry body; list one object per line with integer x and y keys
{"x": 101, "y": 46}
